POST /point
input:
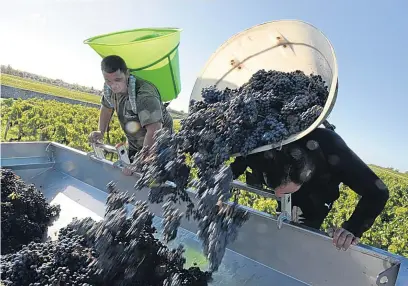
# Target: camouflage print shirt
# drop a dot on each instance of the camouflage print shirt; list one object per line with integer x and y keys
{"x": 140, "y": 107}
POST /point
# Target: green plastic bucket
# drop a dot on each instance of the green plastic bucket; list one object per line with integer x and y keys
{"x": 149, "y": 53}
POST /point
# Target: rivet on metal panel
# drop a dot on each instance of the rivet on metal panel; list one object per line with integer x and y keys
{"x": 383, "y": 280}
{"x": 389, "y": 276}
{"x": 281, "y": 40}
{"x": 236, "y": 64}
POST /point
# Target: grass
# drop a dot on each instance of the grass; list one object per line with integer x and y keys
{"x": 45, "y": 88}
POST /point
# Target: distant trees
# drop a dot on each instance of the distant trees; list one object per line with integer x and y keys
{"x": 58, "y": 82}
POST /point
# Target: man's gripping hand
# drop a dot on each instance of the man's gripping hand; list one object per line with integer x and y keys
{"x": 145, "y": 158}
{"x": 95, "y": 136}
{"x": 127, "y": 171}
{"x": 342, "y": 238}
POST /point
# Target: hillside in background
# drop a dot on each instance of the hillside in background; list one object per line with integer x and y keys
{"x": 390, "y": 170}
{"x": 57, "y": 82}
{"x": 33, "y": 82}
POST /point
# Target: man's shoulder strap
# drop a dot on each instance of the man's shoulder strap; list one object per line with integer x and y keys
{"x": 132, "y": 88}
{"x": 107, "y": 94}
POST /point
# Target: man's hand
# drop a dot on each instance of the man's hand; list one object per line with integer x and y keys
{"x": 127, "y": 171}
{"x": 95, "y": 136}
{"x": 342, "y": 238}
{"x": 297, "y": 215}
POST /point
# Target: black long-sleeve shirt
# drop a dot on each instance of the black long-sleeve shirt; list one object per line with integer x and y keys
{"x": 320, "y": 162}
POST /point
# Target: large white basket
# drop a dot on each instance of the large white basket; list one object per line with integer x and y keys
{"x": 285, "y": 45}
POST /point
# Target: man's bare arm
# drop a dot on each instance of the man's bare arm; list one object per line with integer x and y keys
{"x": 150, "y": 130}
{"x": 105, "y": 116}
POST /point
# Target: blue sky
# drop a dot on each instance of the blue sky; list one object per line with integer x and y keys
{"x": 46, "y": 37}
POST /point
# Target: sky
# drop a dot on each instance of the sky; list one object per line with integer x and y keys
{"x": 46, "y": 37}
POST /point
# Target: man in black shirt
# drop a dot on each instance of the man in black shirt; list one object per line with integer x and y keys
{"x": 312, "y": 168}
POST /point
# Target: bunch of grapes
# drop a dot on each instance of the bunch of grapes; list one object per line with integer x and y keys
{"x": 218, "y": 221}
{"x": 116, "y": 251}
{"x": 171, "y": 222}
{"x": 268, "y": 109}
{"x": 25, "y": 213}
{"x": 219, "y": 229}
{"x": 287, "y": 102}
{"x": 66, "y": 262}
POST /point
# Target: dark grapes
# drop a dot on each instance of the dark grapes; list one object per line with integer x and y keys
{"x": 65, "y": 262}
{"x": 212, "y": 95}
{"x": 120, "y": 250}
{"x": 171, "y": 222}
{"x": 25, "y": 213}
{"x": 269, "y": 108}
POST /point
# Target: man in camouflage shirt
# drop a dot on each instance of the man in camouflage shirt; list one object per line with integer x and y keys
{"x": 137, "y": 104}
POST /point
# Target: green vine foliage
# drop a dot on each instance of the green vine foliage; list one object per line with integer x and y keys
{"x": 46, "y": 120}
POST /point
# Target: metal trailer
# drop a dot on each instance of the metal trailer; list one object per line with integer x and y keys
{"x": 262, "y": 255}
